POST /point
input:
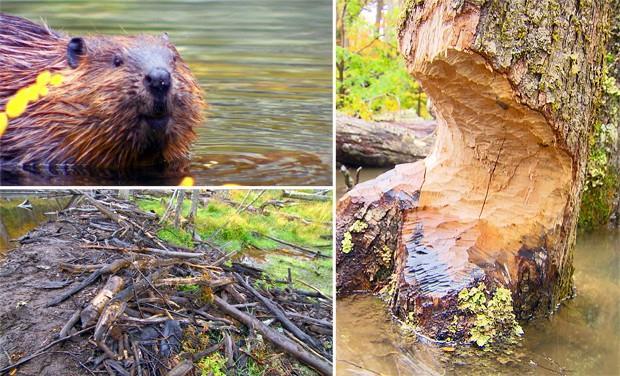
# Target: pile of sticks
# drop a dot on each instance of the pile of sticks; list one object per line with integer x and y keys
{"x": 152, "y": 298}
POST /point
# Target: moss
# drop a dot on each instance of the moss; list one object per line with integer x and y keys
{"x": 493, "y": 316}
{"x": 358, "y": 226}
{"x": 214, "y": 365}
{"x": 347, "y": 242}
{"x": 602, "y": 177}
{"x": 386, "y": 255}
{"x": 347, "y": 239}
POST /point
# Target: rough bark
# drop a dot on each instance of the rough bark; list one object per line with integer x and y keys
{"x": 496, "y": 201}
{"x": 382, "y": 144}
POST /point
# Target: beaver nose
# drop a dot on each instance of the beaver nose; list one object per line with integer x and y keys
{"x": 158, "y": 81}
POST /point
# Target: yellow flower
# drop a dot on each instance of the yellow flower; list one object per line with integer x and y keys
{"x": 44, "y": 78}
{"x": 56, "y": 80}
{"x": 4, "y": 122}
{"x": 187, "y": 181}
{"x": 17, "y": 104}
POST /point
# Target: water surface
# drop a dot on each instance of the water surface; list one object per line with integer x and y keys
{"x": 582, "y": 338}
{"x": 265, "y": 66}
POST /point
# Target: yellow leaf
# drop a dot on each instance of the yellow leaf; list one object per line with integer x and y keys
{"x": 187, "y": 181}
{"x": 32, "y": 93}
{"x": 44, "y": 78}
{"x": 16, "y": 105}
{"x": 56, "y": 80}
{"x": 43, "y": 91}
{"x": 4, "y": 122}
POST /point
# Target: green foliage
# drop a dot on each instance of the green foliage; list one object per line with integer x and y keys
{"x": 494, "y": 319}
{"x": 372, "y": 78}
{"x": 232, "y": 231}
{"x": 214, "y": 365}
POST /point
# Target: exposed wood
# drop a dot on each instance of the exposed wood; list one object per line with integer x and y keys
{"x": 496, "y": 200}
{"x": 382, "y": 144}
{"x": 107, "y": 269}
{"x": 91, "y": 312}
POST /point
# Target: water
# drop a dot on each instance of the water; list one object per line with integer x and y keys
{"x": 265, "y": 66}
{"x": 16, "y": 221}
{"x": 582, "y": 338}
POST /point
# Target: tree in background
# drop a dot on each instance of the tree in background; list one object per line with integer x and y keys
{"x": 371, "y": 78}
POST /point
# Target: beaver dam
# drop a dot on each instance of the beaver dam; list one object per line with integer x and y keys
{"x": 96, "y": 290}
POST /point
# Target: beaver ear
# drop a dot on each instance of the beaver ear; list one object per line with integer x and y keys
{"x": 75, "y": 49}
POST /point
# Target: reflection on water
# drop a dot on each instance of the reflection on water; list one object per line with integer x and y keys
{"x": 16, "y": 221}
{"x": 582, "y": 338}
{"x": 265, "y": 66}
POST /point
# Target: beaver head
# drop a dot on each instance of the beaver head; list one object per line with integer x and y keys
{"x": 125, "y": 101}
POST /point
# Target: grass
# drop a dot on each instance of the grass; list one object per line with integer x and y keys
{"x": 219, "y": 221}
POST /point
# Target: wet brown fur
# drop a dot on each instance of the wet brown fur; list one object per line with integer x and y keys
{"x": 93, "y": 118}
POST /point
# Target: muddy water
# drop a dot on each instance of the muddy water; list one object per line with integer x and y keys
{"x": 582, "y": 338}
{"x": 16, "y": 221}
{"x": 265, "y": 66}
{"x": 365, "y": 174}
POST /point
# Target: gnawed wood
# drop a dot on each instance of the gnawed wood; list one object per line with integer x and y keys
{"x": 495, "y": 201}
{"x": 91, "y": 312}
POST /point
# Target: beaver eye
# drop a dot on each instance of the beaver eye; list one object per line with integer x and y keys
{"x": 117, "y": 61}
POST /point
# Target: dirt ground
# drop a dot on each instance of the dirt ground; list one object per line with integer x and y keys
{"x": 29, "y": 278}
{"x": 162, "y": 327}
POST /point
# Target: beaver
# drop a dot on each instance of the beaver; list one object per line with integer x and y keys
{"x": 124, "y": 101}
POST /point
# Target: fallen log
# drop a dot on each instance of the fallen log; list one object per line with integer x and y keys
{"x": 107, "y": 269}
{"x": 290, "y": 347}
{"x": 382, "y": 144}
{"x": 91, "y": 312}
{"x": 495, "y": 203}
{"x": 305, "y": 196}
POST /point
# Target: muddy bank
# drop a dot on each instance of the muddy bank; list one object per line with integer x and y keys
{"x": 174, "y": 307}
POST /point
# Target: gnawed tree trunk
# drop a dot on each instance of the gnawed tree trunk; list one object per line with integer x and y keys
{"x": 496, "y": 201}
{"x": 382, "y": 144}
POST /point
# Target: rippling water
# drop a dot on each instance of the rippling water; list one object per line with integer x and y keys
{"x": 265, "y": 66}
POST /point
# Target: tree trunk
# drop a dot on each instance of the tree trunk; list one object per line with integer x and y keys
{"x": 382, "y": 144}
{"x": 179, "y": 208}
{"x": 496, "y": 201}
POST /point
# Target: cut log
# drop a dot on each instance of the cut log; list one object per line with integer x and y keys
{"x": 496, "y": 200}
{"x": 91, "y": 312}
{"x": 382, "y": 144}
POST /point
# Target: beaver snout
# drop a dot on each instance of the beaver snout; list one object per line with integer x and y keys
{"x": 158, "y": 81}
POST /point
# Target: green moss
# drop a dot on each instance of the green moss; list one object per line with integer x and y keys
{"x": 493, "y": 316}
{"x": 347, "y": 242}
{"x": 602, "y": 178}
{"x": 214, "y": 365}
{"x": 347, "y": 239}
{"x": 358, "y": 226}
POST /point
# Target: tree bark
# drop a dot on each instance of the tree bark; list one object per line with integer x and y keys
{"x": 382, "y": 144}
{"x": 496, "y": 201}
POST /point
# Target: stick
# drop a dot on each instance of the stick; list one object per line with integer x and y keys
{"x": 110, "y": 268}
{"x": 321, "y": 365}
{"x": 42, "y": 350}
{"x": 279, "y": 313}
